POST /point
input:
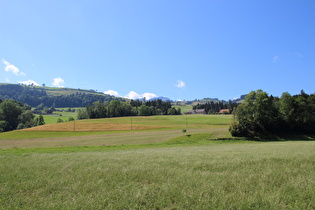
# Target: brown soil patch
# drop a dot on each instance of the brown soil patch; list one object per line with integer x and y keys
{"x": 87, "y": 126}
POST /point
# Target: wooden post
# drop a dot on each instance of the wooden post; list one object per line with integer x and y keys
{"x": 131, "y": 123}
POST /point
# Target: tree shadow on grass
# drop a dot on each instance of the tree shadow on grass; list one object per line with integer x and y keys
{"x": 295, "y": 137}
{"x": 275, "y": 138}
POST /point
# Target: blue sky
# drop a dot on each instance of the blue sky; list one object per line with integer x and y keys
{"x": 175, "y": 48}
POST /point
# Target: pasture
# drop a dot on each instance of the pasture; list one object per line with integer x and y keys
{"x": 116, "y": 131}
{"x": 153, "y": 166}
{"x": 51, "y": 119}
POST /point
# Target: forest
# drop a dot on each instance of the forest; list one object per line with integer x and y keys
{"x": 215, "y": 107}
{"x": 261, "y": 115}
{"x": 117, "y": 108}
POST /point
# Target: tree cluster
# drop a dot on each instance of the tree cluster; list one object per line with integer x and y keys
{"x": 34, "y": 97}
{"x": 117, "y": 108}
{"x": 16, "y": 115}
{"x": 263, "y": 115}
{"x": 215, "y": 107}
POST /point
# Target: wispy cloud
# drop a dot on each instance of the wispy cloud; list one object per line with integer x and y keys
{"x": 132, "y": 95}
{"x": 11, "y": 68}
{"x": 29, "y": 82}
{"x": 180, "y": 84}
{"x": 58, "y": 82}
{"x": 300, "y": 55}
{"x": 275, "y": 58}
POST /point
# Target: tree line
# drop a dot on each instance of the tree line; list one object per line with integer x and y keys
{"x": 17, "y": 115}
{"x": 34, "y": 97}
{"x": 263, "y": 115}
{"x": 117, "y": 108}
{"x": 215, "y": 107}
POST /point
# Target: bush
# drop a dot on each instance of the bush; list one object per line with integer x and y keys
{"x": 59, "y": 120}
{"x": 70, "y": 119}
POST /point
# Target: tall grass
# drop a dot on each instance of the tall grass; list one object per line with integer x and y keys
{"x": 273, "y": 175}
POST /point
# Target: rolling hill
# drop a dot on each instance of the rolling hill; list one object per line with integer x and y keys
{"x": 56, "y": 97}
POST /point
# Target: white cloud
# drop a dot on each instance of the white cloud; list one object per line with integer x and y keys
{"x": 29, "y": 82}
{"x": 275, "y": 58}
{"x": 133, "y": 95}
{"x": 180, "y": 84}
{"x": 148, "y": 96}
{"x": 112, "y": 93}
{"x": 11, "y": 68}
{"x": 58, "y": 82}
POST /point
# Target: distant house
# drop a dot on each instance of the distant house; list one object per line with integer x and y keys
{"x": 37, "y": 112}
{"x": 197, "y": 111}
{"x": 224, "y": 111}
{"x": 190, "y": 112}
{"x": 50, "y": 111}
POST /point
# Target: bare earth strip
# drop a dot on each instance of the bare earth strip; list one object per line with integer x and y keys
{"x": 91, "y": 126}
{"x": 144, "y": 137}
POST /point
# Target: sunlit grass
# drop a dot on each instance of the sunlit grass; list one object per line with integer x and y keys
{"x": 50, "y": 119}
{"x": 32, "y": 139}
{"x": 273, "y": 175}
{"x": 156, "y": 168}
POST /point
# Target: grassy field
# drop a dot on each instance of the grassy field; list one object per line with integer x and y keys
{"x": 51, "y": 119}
{"x": 116, "y": 131}
{"x": 153, "y": 166}
{"x": 54, "y": 91}
{"x": 273, "y": 175}
{"x": 184, "y": 108}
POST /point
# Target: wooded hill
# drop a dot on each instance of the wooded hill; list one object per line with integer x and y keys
{"x": 71, "y": 97}
{"x": 52, "y": 97}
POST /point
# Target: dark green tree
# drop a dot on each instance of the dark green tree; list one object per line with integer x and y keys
{"x": 144, "y": 110}
{"x": 9, "y": 112}
{"x": 59, "y": 120}
{"x": 39, "y": 120}
{"x": 114, "y": 109}
{"x": 70, "y": 119}
{"x": 26, "y": 120}
{"x": 256, "y": 116}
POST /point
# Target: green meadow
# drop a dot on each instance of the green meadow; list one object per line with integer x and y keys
{"x": 159, "y": 167}
{"x": 50, "y": 119}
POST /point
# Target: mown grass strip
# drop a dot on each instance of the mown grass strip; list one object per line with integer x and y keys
{"x": 193, "y": 139}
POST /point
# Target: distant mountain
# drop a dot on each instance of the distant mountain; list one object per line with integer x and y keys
{"x": 211, "y": 99}
{"x": 163, "y": 98}
{"x": 240, "y": 99}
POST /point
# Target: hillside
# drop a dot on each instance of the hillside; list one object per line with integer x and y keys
{"x": 51, "y": 96}
{"x": 72, "y": 97}
{"x": 53, "y": 91}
